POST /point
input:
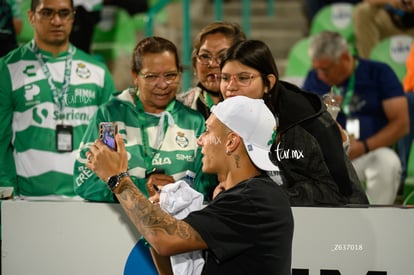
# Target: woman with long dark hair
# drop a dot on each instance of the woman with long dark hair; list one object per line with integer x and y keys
{"x": 314, "y": 167}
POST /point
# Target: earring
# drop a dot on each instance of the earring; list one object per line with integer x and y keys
{"x": 228, "y": 152}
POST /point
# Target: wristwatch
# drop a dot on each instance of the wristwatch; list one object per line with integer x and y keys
{"x": 113, "y": 181}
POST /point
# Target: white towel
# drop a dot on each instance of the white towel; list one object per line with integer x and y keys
{"x": 179, "y": 199}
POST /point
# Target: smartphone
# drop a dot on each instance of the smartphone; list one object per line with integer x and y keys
{"x": 107, "y": 132}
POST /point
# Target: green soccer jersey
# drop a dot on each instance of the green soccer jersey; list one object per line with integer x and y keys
{"x": 34, "y": 103}
{"x": 172, "y": 143}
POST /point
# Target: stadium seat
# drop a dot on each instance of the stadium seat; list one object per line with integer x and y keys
{"x": 114, "y": 34}
{"x": 298, "y": 62}
{"x": 117, "y": 31}
{"x": 335, "y": 17}
{"x": 27, "y": 31}
{"x": 394, "y": 51}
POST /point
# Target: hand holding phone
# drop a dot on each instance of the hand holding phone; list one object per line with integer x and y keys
{"x": 107, "y": 132}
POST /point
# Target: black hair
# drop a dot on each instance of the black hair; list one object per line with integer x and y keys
{"x": 153, "y": 44}
{"x": 257, "y": 55}
{"x": 35, "y": 3}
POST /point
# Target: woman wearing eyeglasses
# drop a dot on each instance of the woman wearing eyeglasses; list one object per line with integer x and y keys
{"x": 209, "y": 47}
{"x": 160, "y": 133}
{"x": 308, "y": 148}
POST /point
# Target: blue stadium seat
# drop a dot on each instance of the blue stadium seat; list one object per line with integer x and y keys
{"x": 139, "y": 261}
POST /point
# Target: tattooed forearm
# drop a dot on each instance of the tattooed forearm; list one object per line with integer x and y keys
{"x": 145, "y": 215}
{"x": 150, "y": 219}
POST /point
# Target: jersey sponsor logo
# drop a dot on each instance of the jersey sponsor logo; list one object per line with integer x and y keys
{"x": 189, "y": 158}
{"x": 30, "y": 70}
{"x": 84, "y": 174}
{"x": 30, "y": 91}
{"x": 82, "y": 71}
{"x": 158, "y": 160}
{"x": 70, "y": 116}
{"x": 85, "y": 96}
{"x": 39, "y": 115}
{"x": 181, "y": 140}
{"x": 80, "y": 96}
{"x": 282, "y": 153}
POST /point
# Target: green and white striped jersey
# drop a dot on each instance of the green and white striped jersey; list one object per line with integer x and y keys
{"x": 175, "y": 152}
{"x": 29, "y": 115}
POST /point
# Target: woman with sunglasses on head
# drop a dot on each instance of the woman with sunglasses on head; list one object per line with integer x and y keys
{"x": 308, "y": 149}
{"x": 209, "y": 47}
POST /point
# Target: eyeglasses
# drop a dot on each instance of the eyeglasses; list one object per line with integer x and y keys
{"x": 49, "y": 14}
{"x": 207, "y": 59}
{"x": 152, "y": 78}
{"x": 242, "y": 79}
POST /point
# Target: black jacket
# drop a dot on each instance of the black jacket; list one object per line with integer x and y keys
{"x": 308, "y": 150}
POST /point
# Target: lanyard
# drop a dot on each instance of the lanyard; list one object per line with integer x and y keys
{"x": 208, "y": 99}
{"x": 58, "y": 94}
{"x": 349, "y": 91}
{"x": 165, "y": 121}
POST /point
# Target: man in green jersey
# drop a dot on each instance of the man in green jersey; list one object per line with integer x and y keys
{"x": 49, "y": 90}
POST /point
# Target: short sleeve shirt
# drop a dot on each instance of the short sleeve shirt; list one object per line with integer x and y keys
{"x": 374, "y": 83}
{"x": 248, "y": 229}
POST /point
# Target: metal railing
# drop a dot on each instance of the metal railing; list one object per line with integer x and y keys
{"x": 186, "y": 28}
{"x": 152, "y": 12}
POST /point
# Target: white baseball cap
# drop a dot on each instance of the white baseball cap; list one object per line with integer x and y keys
{"x": 252, "y": 120}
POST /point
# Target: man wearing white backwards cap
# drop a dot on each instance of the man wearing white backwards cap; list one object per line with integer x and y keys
{"x": 248, "y": 227}
{"x": 254, "y": 124}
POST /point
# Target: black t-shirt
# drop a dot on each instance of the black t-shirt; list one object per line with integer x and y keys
{"x": 248, "y": 229}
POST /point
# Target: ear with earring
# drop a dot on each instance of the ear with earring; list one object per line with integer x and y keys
{"x": 230, "y": 144}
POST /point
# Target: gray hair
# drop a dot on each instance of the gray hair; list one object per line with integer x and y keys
{"x": 327, "y": 44}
